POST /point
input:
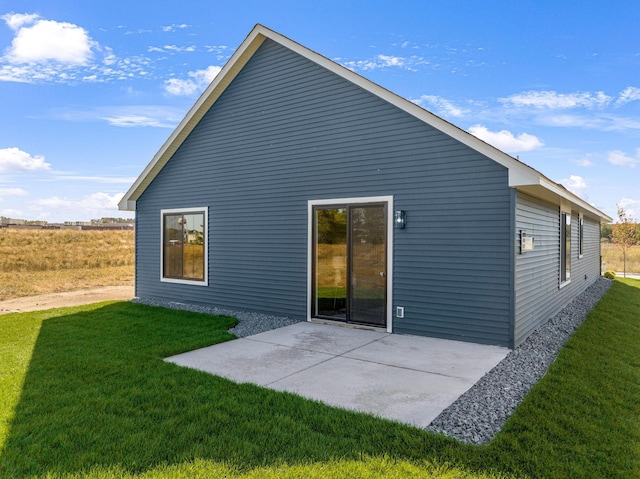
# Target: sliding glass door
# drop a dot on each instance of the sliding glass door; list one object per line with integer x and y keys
{"x": 349, "y": 264}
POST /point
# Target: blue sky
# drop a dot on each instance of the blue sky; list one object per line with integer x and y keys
{"x": 89, "y": 91}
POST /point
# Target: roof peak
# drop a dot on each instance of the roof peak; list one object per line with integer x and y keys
{"x": 521, "y": 175}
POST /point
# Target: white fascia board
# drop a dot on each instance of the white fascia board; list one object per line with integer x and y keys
{"x": 398, "y": 101}
{"x": 520, "y": 174}
{"x": 550, "y": 191}
{"x": 233, "y": 66}
{"x": 574, "y": 200}
{"x": 127, "y": 205}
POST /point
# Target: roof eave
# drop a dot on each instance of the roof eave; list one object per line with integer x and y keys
{"x": 521, "y": 175}
{"x": 230, "y": 70}
{"x": 546, "y": 189}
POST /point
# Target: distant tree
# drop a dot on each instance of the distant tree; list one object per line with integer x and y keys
{"x": 332, "y": 226}
{"x": 605, "y": 231}
{"x": 624, "y": 234}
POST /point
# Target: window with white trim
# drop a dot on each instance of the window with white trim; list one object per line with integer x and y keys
{"x": 565, "y": 247}
{"x": 184, "y": 245}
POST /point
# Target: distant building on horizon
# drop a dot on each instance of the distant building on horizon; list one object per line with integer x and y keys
{"x": 6, "y": 222}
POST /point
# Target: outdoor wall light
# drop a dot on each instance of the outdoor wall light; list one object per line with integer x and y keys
{"x": 399, "y": 219}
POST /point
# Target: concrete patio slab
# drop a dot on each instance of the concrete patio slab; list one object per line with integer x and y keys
{"x": 399, "y": 394}
{"x": 319, "y": 338}
{"x": 437, "y": 356}
{"x": 409, "y": 379}
{"x": 246, "y": 361}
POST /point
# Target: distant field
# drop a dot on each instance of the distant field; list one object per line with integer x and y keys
{"x": 612, "y": 256}
{"x": 51, "y": 261}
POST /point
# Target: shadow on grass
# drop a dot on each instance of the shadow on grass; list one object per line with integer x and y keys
{"x": 97, "y": 394}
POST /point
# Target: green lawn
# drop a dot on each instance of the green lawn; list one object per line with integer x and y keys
{"x": 84, "y": 393}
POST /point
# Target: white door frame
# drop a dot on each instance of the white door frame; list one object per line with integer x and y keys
{"x": 352, "y": 201}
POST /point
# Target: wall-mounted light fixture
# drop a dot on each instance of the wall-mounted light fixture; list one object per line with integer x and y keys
{"x": 399, "y": 219}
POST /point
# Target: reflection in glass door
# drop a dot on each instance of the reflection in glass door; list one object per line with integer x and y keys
{"x": 350, "y": 260}
{"x": 331, "y": 263}
{"x": 368, "y": 265}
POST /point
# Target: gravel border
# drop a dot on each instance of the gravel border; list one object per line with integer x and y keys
{"x": 481, "y": 412}
{"x": 248, "y": 323}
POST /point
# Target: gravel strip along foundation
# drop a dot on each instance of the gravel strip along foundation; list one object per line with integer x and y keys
{"x": 481, "y": 412}
{"x": 248, "y": 323}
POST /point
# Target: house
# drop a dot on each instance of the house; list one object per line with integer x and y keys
{"x": 296, "y": 187}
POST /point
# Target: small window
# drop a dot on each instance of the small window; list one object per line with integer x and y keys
{"x": 184, "y": 256}
{"x": 581, "y": 237}
{"x": 565, "y": 247}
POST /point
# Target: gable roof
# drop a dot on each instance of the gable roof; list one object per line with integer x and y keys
{"x": 521, "y": 176}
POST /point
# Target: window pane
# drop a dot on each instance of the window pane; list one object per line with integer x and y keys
{"x": 183, "y": 246}
{"x": 331, "y": 262}
{"x": 565, "y": 247}
{"x": 172, "y": 267}
{"x": 193, "y": 249}
{"x": 568, "y": 246}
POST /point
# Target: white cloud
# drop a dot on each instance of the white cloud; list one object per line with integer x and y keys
{"x": 11, "y": 213}
{"x": 16, "y": 20}
{"x": 127, "y": 116}
{"x": 585, "y": 162}
{"x": 14, "y": 159}
{"x": 39, "y": 41}
{"x": 174, "y": 27}
{"x": 628, "y": 95}
{"x": 219, "y": 49}
{"x": 631, "y": 207}
{"x": 384, "y": 61}
{"x": 96, "y": 179}
{"x": 109, "y": 57}
{"x": 505, "y": 140}
{"x": 569, "y": 121}
{"x": 172, "y": 48}
{"x": 575, "y": 184}
{"x": 557, "y": 101}
{"x": 619, "y": 158}
{"x": 197, "y": 82}
{"x": 222, "y": 52}
{"x": 14, "y": 73}
{"x": 391, "y": 61}
{"x": 443, "y": 106}
{"x": 602, "y": 122}
{"x": 95, "y": 205}
{"x": 4, "y": 192}
{"x": 622, "y": 123}
{"x": 134, "y": 121}
{"x": 49, "y": 51}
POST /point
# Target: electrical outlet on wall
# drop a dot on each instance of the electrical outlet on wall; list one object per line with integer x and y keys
{"x": 399, "y": 311}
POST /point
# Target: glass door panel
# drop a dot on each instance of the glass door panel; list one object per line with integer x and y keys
{"x": 350, "y": 263}
{"x": 331, "y": 263}
{"x": 368, "y": 265}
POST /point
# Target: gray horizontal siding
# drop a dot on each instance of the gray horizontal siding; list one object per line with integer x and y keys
{"x": 287, "y": 131}
{"x": 538, "y": 296}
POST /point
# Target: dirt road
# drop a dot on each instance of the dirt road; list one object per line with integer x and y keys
{"x": 71, "y": 298}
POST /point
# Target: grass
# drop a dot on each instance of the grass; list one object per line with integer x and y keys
{"x": 86, "y": 394}
{"x": 612, "y": 256}
{"x": 50, "y": 261}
